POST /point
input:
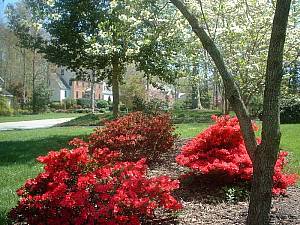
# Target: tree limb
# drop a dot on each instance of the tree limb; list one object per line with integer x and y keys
{"x": 232, "y": 92}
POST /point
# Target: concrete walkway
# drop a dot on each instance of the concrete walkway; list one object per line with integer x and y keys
{"x": 32, "y": 124}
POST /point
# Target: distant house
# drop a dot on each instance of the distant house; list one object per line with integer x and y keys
{"x": 63, "y": 84}
{"x": 3, "y": 93}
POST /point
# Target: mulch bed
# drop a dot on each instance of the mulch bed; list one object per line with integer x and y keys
{"x": 205, "y": 203}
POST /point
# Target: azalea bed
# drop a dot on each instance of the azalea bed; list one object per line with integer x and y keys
{"x": 106, "y": 179}
{"x": 204, "y": 201}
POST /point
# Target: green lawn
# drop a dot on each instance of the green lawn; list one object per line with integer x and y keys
{"x": 187, "y": 130}
{"x": 18, "y": 150}
{"x": 42, "y": 116}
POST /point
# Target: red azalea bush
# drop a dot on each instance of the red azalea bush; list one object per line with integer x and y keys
{"x": 136, "y": 135}
{"x": 220, "y": 149}
{"x": 80, "y": 187}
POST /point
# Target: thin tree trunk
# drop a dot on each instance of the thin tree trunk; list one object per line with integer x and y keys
{"x": 206, "y": 71}
{"x": 225, "y": 105}
{"x": 115, "y": 86}
{"x": 24, "y": 79}
{"x": 148, "y": 88}
{"x": 199, "y": 98}
{"x": 34, "y": 109}
{"x": 266, "y": 153}
{"x": 93, "y": 91}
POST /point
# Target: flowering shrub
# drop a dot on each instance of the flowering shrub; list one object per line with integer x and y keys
{"x": 220, "y": 149}
{"x": 80, "y": 187}
{"x": 136, "y": 135}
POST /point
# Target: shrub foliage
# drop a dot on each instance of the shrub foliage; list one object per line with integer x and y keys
{"x": 83, "y": 187}
{"x": 136, "y": 135}
{"x": 220, "y": 150}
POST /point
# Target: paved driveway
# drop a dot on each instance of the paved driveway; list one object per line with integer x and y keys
{"x": 32, "y": 124}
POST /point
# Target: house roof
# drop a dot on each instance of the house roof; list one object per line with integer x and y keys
{"x": 61, "y": 83}
{"x": 1, "y": 81}
{"x": 5, "y": 93}
{"x": 65, "y": 83}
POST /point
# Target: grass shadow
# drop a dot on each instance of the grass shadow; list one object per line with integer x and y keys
{"x": 26, "y": 151}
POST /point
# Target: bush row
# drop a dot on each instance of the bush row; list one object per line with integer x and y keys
{"x": 103, "y": 180}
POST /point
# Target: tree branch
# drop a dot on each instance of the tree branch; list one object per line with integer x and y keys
{"x": 204, "y": 18}
{"x": 232, "y": 92}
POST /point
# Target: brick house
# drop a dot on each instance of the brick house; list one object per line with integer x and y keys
{"x": 63, "y": 85}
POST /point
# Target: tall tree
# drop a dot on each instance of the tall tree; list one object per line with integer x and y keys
{"x": 28, "y": 31}
{"x": 101, "y": 36}
{"x": 263, "y": 155}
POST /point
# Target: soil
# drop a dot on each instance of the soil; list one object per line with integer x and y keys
{"x": 205, "y": 202}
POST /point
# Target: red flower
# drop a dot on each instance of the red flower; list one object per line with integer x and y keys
{"x": 221, "y": 149}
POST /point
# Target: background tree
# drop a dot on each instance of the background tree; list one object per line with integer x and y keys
{"x": 28, "y": 33}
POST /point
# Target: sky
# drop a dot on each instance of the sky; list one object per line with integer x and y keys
{"x": 3, "y": 5}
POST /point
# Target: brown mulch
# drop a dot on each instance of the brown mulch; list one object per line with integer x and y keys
{"x": 205, "y": 203}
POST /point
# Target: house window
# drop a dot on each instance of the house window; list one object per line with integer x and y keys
{"x": 77, "y": 94}
{"x": 62, "y": 72}
{"x": 77, "y": 83}
{"x": 82, "y": 94}
{"x": 99, "y": 96}
{"x": 65, "y": 94}
{"x": 70, "y": 82}
{"x": 82, "y": 84}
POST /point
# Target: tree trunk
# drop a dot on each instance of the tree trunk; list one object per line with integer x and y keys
{"x": 199, "y": 98}
{"x": 24, "y": 79}
{"x": 93, "y": 91}
{"x": 266, "y": 154}
{"x": 115, "y": 86}
{"x": 206, "y": 71}
{"x": 148, "y": 88}
{"x": 34, "y": 108}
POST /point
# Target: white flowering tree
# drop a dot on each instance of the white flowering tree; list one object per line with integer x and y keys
{"x": 106, "y": 36}
{"x": 264, "y": 154}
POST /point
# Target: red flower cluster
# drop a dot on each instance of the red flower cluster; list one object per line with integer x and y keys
{"x": 80, "y": 187}
{"x": 220, "y": 149}
{"x": 136, "y": 135}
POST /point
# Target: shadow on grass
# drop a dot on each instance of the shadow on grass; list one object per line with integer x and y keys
{"x": 3, "y": 218}
{"x": 24, "y": 152}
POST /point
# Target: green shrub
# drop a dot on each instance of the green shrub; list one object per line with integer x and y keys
{"x": 138, "y": 104}
{"x": 102, "y": 104}
{"x": 24, "y": 112}
{"x": 40, "y": 99}
{"x": 154, "y": 106}
{"x": 193, "y": 116}
{"x": 56, "y": 105}
{"x": 179, "y": 104}
{"x": 5, "y": 109}
{"x": 84, "y": 102}
{"x": 123, "y": 108}
{"x": 69, "y": 103}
